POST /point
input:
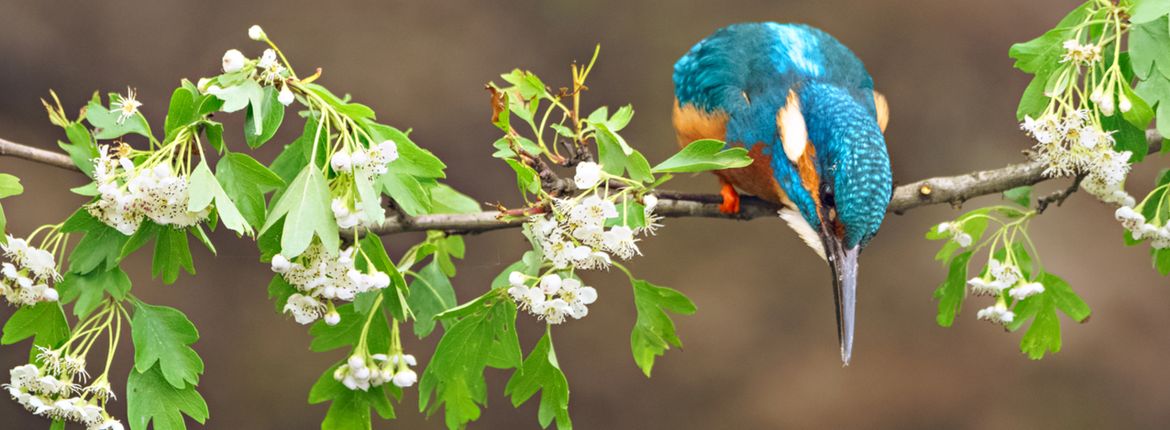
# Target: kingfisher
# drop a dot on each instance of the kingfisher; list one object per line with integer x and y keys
{"x": 805, "y": 108}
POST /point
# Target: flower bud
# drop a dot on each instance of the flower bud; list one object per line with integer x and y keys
{"x": 517, "y": 279}
{"x": 50, "y": 295}
{"x": 341, "y": 162}
{"x": 1107, "y": 106}
{"x": 1124, "y": 104}
{"x": 256, "y": 33}
{"x": 356, "y": 361}
{"x": 280, "y": 264}
{"x": 332, "y": 318}
{"x": 405, "y": 378}
{"x": 233, "y": 61}
{"x": 286, "y": 96}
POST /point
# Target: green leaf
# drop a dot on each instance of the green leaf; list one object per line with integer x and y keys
{"x": 247, "y": 93}
{"x": 171, "y": 253}
{"x": 541, "y": 371}
{"x": 1149, "y": 10}
{"x": 305, "y": 209}
{"x": 204, "y": 189}
{"x": 347, "y": 332}
{"x": 1019, "y": 195}
{"x": 246, "y": 181}
{"x": 431, "y": 293}
{"x": 1156, "y": 90}
{"x": 447, "y": 200}
{"x": 263, "y": 119}
{"x": 44, "y": 321}
{"x": 370, "y": 199}
{"x": 703, "y": 155}
{"x": 350, "y": 409}
{"x": 150, "y": 398}
{"x": 10, "y": 186}
{"x": 163, "y": 335}
{"x": 1043, "y": 335}
{"x": 953, "y": 290}
{"x": 526, "y": 178}
{"x": 407, "y": 192}
{"x": 412, "y": 160}
{"x": 1033, "y": 101}
{"x": 654, "y": 331}
{"x": 454, "y": 378}
{"x": 395, "y": 296}
{"x": 106, "y": 120}
{"x": 1036, "y": 54}
{"x": 101, "y": 247}
{"x": 90, "y": 289}
{"x": 1148, "y": 43}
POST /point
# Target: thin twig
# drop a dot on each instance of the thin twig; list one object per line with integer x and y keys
{"x": 1059, "y": 196}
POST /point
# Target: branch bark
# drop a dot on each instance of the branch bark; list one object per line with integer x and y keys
{"x": 56, "y": 159}
{"x": 952, "y": 190}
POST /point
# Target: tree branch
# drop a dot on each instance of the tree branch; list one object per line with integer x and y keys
{"x": 953, "y": 190}
{"x": 55, "y": 159}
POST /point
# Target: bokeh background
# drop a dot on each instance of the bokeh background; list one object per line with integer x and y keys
{"x": 761, "y": 352}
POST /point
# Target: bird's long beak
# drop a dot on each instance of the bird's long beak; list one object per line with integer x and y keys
{"x": 843, "y": 262}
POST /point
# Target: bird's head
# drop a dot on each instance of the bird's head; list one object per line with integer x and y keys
{"x": 832, "y": 138}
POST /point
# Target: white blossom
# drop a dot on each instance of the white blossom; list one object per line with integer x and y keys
{"x": 25, "y": 279}
{"x": 620, "y": 241}
{"x": 1025, "y": 290}
{"x": 126, "y": 106}
{"x": 320, "y": 278}
{"x": 233, "y": 61}
{"x": 305, "y": 309}
{"x": 255, "y": 32}
{"x": 588, "y": 175}
{"x": 286, "y": 96}
{"x": 998, "y": 314}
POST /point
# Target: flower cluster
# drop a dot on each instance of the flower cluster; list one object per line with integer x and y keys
{"x": 321, "y": 278}
{"x": 52, "y": 391}
{"x": 370, "y": 163}
{"x": 575, "y": 233}
{"x": 360, "y": 371}
{"x": 1081, "y": 54}
{"x": 267, "y": 70}
{"x": 129, "y": 194}
{"x": 550, "y": 297}
{"x": 26, "y": 278}
{"x": 1076, "y": 144}
{"x": 1141, "y": 228}
{"x": 1002, "y": 277}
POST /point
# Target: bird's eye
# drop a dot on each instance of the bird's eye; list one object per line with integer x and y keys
{"x": 827, "y": 195}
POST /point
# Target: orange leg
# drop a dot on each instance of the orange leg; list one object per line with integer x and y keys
{"x": 730, "y": 203}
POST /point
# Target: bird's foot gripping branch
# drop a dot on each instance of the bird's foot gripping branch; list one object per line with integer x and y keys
{"x": 311, "y": 212}
{"x": 1102, "y": 77}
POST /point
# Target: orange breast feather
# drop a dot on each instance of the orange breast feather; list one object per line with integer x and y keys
{"x": 691, "y": 124}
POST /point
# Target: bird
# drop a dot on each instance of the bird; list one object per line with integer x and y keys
{"x": 804, "y": 107}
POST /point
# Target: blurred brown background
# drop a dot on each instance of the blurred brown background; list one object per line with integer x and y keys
{"x": 761, "y": 352}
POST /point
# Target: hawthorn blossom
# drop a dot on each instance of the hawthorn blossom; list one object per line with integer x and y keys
{"x": 1023, "y": 291}
{"x": 126, "y": 106}
{"x": 588, "y": 175}
{"x": 233, "y": 61}
{"x": 551, "y": 297}
{"x": 997, "y": 313}
{"x": 320, "y": 279}
{"x": 27, "y": 276}
{"x": 256, "y": 33}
